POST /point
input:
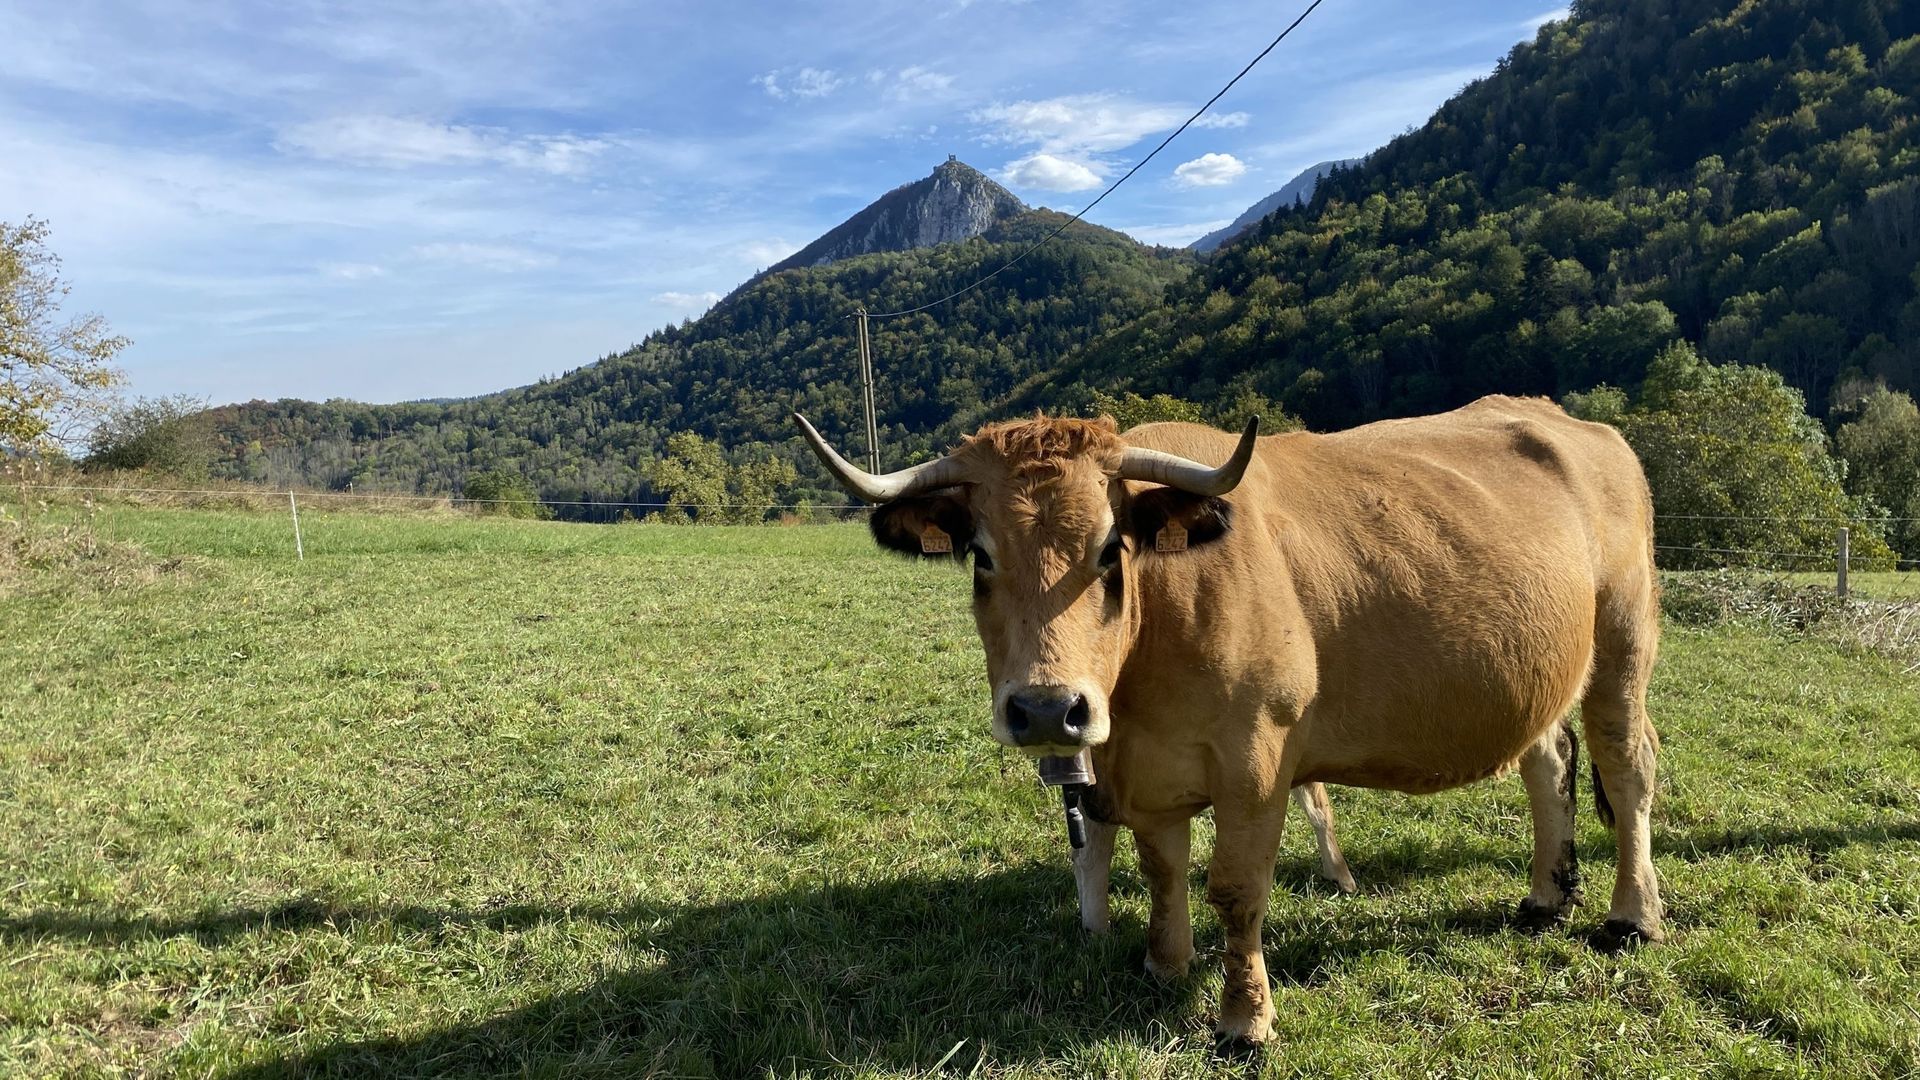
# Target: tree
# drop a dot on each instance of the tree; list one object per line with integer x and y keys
{"x": 54, "y": 376}
{"x": 1740, "y": 474}
{"x": 497, "y": 491}
{"x": 696, "y": 476}
{"x": 1881, "y": 445}
{"x": 170, "y": 435}
{"x": 1130, "y": 410}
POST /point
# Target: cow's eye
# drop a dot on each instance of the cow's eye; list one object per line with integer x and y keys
{"x": 981, "y": 561}
{"x": 1110, "y": 555}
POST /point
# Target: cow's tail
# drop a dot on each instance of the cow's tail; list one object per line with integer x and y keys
{"x": 1602, "y": 806}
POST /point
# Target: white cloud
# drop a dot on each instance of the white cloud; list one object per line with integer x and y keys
{"x": 1077, "y": 123}
{"x": 1223, "y": 120}
{"x": 762, "y": 253}
{"x": 1370, "y": 113}
{"x": 346, "y": 271}
{"x": 808, "y": 82}
{"x": 500, "y": 257}
{"x": 1175, "y": 235}
{"x": 689, "y": 303}
{"x": 398, "y": 142}
{"x": 911, "y": 83}
{"x": 813, "y": 82}
{"x": 1210, "y": 170}
{"x": 1049, "y": 173}
{"x": 1534, "y": 24}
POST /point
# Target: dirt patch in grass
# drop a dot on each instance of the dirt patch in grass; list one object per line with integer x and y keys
{"x": 37, "y": 553}
{"x": 1889, "y": 627}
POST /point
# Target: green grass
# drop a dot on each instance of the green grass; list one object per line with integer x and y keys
{"x": 1878, "y": 584}
{"x": 460, "y": 797}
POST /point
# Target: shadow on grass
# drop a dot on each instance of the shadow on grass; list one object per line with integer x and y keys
{"x": 895, "y": 974}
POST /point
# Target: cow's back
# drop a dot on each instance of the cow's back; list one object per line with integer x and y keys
{"x": 1448, "y": 570}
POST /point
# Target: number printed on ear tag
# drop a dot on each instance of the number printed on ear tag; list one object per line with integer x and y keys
{"x": 935, "y": 541}
{"x": 1170, "y": 538}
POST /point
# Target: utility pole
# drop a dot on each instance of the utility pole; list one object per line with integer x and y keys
{"x": 866, "y": 394}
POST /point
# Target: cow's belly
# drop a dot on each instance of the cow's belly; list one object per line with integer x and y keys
{"x": 1432, "y": 719}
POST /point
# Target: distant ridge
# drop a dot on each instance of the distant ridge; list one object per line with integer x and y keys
{"x": 957, "y": 202}
{"x": 1297, "y": 190}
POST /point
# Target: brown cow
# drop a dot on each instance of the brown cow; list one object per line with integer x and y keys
{"x": 1413, "y": 604}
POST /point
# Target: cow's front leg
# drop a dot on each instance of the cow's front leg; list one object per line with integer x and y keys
{"x": 1093, "y": 874}
{"x": 1165, "y": 851}
{"x": 1239, "y": 882}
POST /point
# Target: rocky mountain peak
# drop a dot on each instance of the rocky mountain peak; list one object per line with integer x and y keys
{"x": 956, "y": 202}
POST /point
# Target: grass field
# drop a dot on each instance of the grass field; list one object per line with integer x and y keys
{"x": 460, "y": 797}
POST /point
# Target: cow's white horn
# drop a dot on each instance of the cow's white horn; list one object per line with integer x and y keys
{"x": 1157, "y": 467}
{"x": 926, "y": 476}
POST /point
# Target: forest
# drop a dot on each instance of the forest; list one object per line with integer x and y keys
{"x": 1743, "y": 179}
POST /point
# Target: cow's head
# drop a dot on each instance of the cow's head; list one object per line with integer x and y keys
{"x": 1055, "y": 531}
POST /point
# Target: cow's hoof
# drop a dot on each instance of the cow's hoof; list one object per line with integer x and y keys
{"x": 1236, "y": 1047}
{"x": 1245, "y": 1036}
{"x": 1620, "y": 935}
{"x": 1535, "y": 917}
{"x": 1167, "y": 970}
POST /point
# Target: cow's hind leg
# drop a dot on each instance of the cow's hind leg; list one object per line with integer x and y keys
{"x": 1550, "y": 767}
{"x": 1165, "y": 856}
{"x": 1622, "y": 742}
{"x": 1239, "y": 885}
{"x": 1313, "y": 802}
{"x": 1093, "y": 874}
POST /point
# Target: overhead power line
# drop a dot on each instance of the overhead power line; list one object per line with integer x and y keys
{"x": 1043, "y": 241}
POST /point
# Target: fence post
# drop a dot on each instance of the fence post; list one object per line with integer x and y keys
{"x": 1841, "y": 586}
{"x": 299, "y": 548}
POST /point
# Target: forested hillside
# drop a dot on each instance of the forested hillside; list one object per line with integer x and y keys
{"x": 782, "y": 342}
{"x": 1745, "y": 176}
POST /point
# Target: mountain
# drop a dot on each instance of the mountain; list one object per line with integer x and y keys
{"x": 957, "y": 202}
{"x": 1742, "y": 176}
{"x": 780, "y": 342}
{"x": 1297, "y": 190}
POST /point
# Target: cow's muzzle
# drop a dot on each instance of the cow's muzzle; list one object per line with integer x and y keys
{"x": 1052, "y": 716}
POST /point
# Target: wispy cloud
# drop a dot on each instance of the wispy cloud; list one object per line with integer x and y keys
{"x": 760, "y": 254}
{"x": 1210, "y": 170}
{"x": 807, "y": 82}
{"x": 1072, "y": 135}
{"x": 497, "y": 257}
{"x": 1533, "y": 24}
{"x": 351, "y": 271}
{"x": 686, "y": 303}
{"x": 914, "y": 83}
{"x": 1077, "y": 123}
{"x": 1174, "y": 235}
{"x": 399, "y": 142}
{"x": 1223, "y": 120}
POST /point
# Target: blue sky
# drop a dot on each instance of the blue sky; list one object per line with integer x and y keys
{"x": 396, "y": 200}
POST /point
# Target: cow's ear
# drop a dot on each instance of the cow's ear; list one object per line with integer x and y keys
{"x": 1167, "y": 519}
{"x": 936, "y": 526}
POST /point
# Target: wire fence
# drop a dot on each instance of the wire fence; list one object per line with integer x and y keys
{"x": 1839, "y": 560}
{"x": 450, "y": 500}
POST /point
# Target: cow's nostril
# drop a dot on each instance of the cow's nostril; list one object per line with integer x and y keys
{"x": 1017, "y": 719}
{"x": 1075, "y": 722}
{"x": 1046, "y": 716}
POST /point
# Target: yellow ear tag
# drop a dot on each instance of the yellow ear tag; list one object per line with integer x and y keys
{"x": 935, "y": 541}
{"x": 1171, "y": 537}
